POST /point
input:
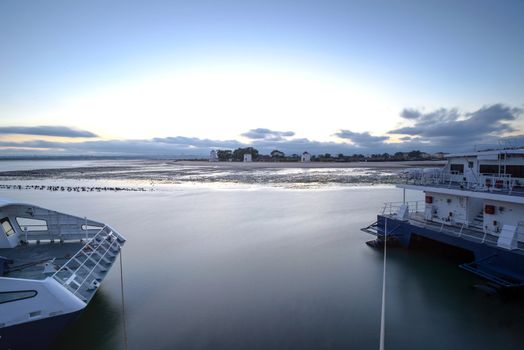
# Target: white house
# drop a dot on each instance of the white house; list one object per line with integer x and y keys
{"x": 306, "y": 157}
{"x": 247, "y": 157}
{"x": 213, "y": 156}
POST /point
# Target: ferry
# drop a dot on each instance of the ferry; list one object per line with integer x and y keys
{"x": 51, "y": 265}
{"x": 473, "y": 207}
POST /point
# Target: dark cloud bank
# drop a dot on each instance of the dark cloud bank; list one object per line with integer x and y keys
{"x": 267, "y": 135}
{"x": 450, "y": 127}
{"x": 447, "y": 130}
{"x": 60, "y": 131}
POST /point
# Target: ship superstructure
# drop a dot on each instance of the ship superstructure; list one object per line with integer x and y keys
{"x": 474, "y": 205}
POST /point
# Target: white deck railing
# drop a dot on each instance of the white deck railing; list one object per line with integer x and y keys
{"x": 67, "y": 232}
{"x": 482, "y": 182}
{"x": 462, "y": 230}
{"x": 393, "y": 207}
{"x": 82, "y": 273}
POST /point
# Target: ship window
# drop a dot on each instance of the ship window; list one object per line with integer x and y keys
{"x": 457, "y": 168}
{"x": 6, "y": 225}
{"x": 91, "y": 227}
{"x": 470, "y": 165}
{"x": 27, "y": 224}
{"x": 515, "y": 170}
{"x": 489, "y": 169}
{"x": 7, "y": 297}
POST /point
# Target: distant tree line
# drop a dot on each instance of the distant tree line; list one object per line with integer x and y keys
{"x": 237, "y": 155}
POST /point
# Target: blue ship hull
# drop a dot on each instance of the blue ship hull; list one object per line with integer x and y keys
{"x": 38, "y": 334}
{"x": 503, "y": 267}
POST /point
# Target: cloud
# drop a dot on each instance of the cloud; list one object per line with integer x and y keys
{"x": 362, "y": 139}
{"x": 448, "y": 127}
{"x": 439, "y": 130}
{"x": 195, "y": 142}
{"x": 60, "y": 131}
{"x": 409, "y": 138}
{"x": 409, "y": 113}
{"x": 169, "y": 147}
{"x": 179, "y": 146}
{"x": 149, "y": 148}
{"x": 267, "y": 134}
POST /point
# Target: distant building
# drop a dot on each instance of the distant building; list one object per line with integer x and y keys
{"x": 213, "y": 156}
{"x": 248, "y": 157}
{"x": 440, "y": 155}
{"x": 306, "y": 157}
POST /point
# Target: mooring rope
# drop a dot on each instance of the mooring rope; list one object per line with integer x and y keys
{"x": 383, "y": 312}
{"x": 124, "y": 324}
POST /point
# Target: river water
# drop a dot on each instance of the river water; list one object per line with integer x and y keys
{"x": 264, "y": 267}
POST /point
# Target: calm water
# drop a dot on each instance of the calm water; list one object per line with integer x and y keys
{"x": 270, "y": 268}
{"x": 18, "y": 165}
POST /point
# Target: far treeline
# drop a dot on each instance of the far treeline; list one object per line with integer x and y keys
{"x": 279, "y": 156}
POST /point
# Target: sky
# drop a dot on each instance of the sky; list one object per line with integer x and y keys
{"x": 159, "y": 78}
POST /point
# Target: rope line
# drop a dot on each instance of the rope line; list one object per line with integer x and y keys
{"x": 383, "y": 311}
{"x": 124, "y": 324}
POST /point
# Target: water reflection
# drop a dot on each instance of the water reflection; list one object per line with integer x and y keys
{"x": 98, "y": 327}
{"x": 430, "y": 298}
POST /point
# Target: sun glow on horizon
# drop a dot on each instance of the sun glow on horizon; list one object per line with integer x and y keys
{"x": 223, "y": 102}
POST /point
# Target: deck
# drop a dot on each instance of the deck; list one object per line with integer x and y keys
{"x": 456, "y": 230}
{"x": 79, "y": 266}
{"x": 29, "y": 259}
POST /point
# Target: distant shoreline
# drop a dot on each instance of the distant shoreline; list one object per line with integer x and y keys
{"x": 313, "y": 165}
{"x": 243, "y": 165}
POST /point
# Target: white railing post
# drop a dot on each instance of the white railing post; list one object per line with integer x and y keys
{"x": 461, "y": 228}
{"x": 85, "y": 220}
